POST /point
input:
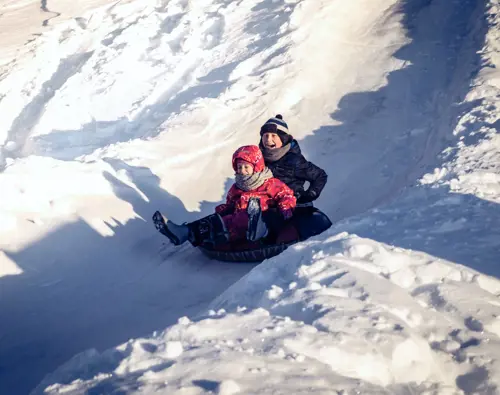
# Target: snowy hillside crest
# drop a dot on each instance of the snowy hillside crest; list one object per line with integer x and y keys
{"x": 128, "y": 107}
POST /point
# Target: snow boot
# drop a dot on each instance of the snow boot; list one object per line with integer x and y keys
{"x": 177, "y": 234}
{"x": 257, "y": 228}
{"x": 210, "y": 231}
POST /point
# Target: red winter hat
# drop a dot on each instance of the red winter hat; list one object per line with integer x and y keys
{"x": 251, "y": 154}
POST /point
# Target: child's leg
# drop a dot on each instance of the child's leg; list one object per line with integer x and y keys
{"x": 210, "y": 229}
{"x": 236, "y": 224}
{"x": 274, "y": 220}
{"x": 280, "y": 230}
{"x": 177, "y": 234}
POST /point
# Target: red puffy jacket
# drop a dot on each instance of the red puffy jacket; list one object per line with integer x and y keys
{"x": 273, "y": 193}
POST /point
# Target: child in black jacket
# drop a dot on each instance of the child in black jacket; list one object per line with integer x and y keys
{"x": 283, "y": 157}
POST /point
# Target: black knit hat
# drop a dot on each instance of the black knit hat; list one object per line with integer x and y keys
{"x": 278, "y": 126}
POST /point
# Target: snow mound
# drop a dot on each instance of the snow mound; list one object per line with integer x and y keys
{"x": 339, "y": 314}
{"x": 400, "y": 311}
{"x": 138, "y": 106}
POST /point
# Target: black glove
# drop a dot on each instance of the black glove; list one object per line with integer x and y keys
{"x": 306, "y": 197}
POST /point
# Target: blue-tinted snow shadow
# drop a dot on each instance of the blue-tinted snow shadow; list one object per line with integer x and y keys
{"x": 63, "y": 270}
{"x": 399, "y": 114}
{"x": 389, "y": 138}
{"x": 88, "y": 364}
{"x": 460, "y": 228}
{"x": 157, "y": 198}
{"x": 80, "y": 289}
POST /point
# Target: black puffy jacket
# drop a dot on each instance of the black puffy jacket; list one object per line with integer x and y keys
{"x": 294, "y": 170}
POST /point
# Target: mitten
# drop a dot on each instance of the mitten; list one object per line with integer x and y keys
{"x": 307, "y": 197}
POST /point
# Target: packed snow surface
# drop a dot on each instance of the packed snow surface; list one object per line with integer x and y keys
{"x": 112, "y": 110}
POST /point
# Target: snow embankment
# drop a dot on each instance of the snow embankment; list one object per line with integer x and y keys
{"x": 343, "y": 314}
{"x": 120, "y": 110}
{"x": 338, "y": 314}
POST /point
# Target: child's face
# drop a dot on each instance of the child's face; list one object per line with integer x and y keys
{"x": 244, "y": 168}
{"x": 271, "y": 141}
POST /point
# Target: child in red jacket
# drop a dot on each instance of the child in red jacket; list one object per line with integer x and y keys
{"x": 253, "y": 194}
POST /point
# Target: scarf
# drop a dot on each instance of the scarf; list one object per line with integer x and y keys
{"x": 273, "y": 155}
{"x": 249, "y": 183}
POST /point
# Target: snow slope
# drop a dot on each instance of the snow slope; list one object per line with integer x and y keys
{"x": 21, "y": 21}
{"x": 137, "y": 106}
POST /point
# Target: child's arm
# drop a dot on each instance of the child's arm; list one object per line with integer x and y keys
{"x": 228, "y": 207}
{"x": 283, "y": 196}
{"x": 316, "y": 176}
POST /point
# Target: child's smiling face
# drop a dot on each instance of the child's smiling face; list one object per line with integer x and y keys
{"x": 271, "y": 141}
{"x": 244, "y": 168}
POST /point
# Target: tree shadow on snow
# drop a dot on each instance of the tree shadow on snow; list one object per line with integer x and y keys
{"x": 80, "y": 289}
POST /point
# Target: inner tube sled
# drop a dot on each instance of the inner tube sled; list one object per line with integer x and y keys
{"x": 305, "y": 223}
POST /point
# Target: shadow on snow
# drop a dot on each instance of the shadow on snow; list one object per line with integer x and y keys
{"x": 401, "y": 142}
{"x": 104, "y": 289}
